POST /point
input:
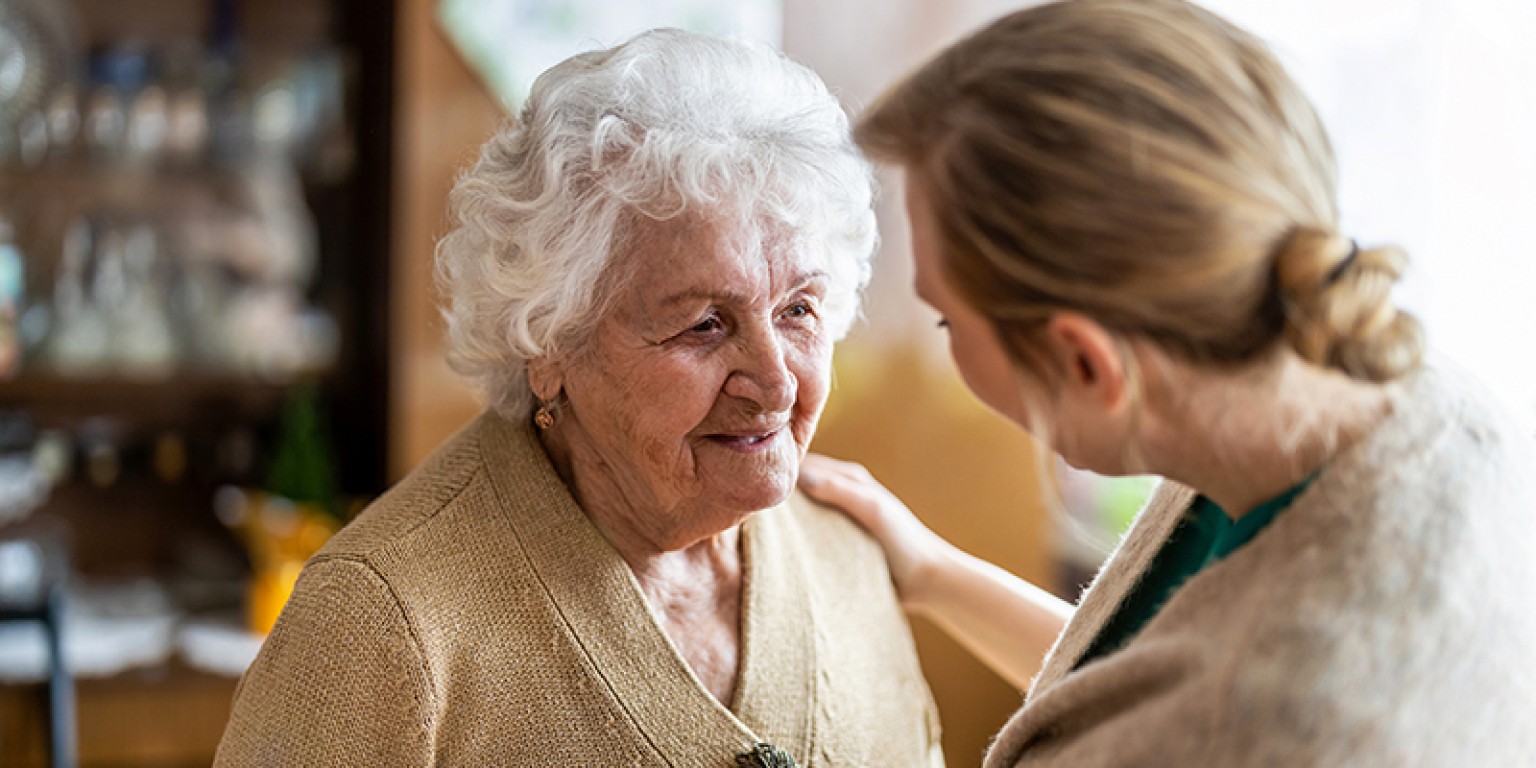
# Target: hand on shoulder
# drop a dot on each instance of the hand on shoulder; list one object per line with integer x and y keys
{"x": 911, "y": 549}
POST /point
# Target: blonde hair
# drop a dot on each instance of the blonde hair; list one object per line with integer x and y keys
{"x": 1152, "y": 166}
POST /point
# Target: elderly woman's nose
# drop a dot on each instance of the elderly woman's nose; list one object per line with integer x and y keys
{"x": 763, "y": 375}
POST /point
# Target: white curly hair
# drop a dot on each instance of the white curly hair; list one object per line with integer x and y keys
{"x": 667, "y": 123}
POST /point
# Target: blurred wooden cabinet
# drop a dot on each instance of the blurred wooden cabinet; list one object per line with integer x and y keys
{"x": 176, "y": 135}
{"x": 166, "y": 717}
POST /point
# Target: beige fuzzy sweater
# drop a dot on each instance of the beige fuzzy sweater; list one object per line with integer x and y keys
{"x": 473, "y": 616}
{"x": 1387, "y": 618}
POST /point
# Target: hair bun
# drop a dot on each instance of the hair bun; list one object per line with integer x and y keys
{"x": 1338, "y": 305}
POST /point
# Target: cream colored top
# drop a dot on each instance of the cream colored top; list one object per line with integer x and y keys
{"x": 1387, "y": 619}
{"x": 473, "y": 616}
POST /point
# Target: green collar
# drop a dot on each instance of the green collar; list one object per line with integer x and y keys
{"x": 1233, "y": 537}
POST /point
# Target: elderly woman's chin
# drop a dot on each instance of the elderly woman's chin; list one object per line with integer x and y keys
{"x": 741, "y": 475}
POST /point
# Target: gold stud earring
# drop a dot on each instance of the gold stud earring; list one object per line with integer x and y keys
{"x": 543, "y": 417}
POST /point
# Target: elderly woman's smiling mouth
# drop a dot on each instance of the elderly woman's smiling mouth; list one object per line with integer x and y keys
{"x": 747, "y": 440}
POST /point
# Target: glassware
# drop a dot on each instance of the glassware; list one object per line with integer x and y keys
{"x": 63, "y": 114}
{"x": 145, "y": 343}
{"x": 78, "y": 342}
{"x": 148, "y": 126}
{"x": 186, "y": 137}
{"x": 31, "y": 139}
{"x": 105, "y": 125}
{"x": 12, "y": 297}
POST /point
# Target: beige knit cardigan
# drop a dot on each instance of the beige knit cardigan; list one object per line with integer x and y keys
{"x": 473, "y": 616}
{"x": 1387, "y": 618}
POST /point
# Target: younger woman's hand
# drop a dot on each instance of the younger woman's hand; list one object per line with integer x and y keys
{"x": 911, "y": 549}
{"x": 1007, "y": 622}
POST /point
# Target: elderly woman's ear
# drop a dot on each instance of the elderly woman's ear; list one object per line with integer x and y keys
{"x": 545, "y": 378}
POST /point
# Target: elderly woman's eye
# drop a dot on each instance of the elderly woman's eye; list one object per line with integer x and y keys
{"x": 707, "y": 325}
{"x": 799, "y": 310}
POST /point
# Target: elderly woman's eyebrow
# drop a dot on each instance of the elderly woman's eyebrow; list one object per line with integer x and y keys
{"x": 695, "y": 295}
{"x": 689, "y": 295}
{"x": 810, "y": 277}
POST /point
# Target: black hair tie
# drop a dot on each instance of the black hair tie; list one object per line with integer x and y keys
{"x": 1339, "y": 269}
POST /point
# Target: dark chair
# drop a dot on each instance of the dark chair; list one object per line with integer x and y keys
{"x": 44, "y": 603}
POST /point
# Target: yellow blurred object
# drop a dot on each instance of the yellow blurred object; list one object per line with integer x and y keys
{"x": 280, "y": 536}
{"x": 268, "y": 592}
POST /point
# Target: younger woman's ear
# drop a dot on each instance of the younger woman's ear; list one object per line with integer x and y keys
{"x": 1089, "y": 357}
{"x": 545, "y": 378}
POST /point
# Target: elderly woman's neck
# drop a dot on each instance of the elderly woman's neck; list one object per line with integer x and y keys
{"x": 653, "y": 543}
{"x": 691, "y": 580}
{"x": 665, "y": 569}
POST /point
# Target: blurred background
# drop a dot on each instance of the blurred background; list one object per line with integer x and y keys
{"x": 218, "y": 337}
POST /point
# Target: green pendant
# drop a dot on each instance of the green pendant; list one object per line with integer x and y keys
{"x": 765, "y": 755}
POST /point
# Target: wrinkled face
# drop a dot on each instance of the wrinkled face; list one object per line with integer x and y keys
{"x": 698, "y": 393}
{"x": 973, "y": 342}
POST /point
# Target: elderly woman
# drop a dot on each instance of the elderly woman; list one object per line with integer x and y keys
{"x": 1125, "y": 212}
{"x": 608, "y": 566}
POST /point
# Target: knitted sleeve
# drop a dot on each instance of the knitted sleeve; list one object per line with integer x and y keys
{"x": 340, "y": 681}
